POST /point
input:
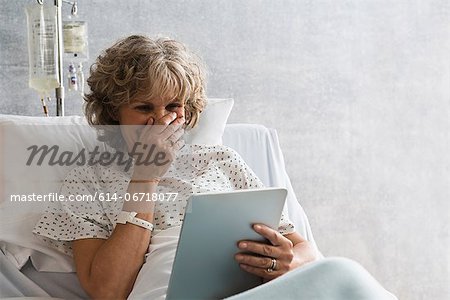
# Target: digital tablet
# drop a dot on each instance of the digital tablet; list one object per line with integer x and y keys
{"x": 204, "y": 265}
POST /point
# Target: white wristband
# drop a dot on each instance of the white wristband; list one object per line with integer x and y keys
{"x": 130, "y": 217}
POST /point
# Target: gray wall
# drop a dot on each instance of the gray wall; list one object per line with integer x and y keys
{"x": 359, "y": 91}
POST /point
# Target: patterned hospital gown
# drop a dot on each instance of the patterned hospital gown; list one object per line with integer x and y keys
{"x": 197, "y": 169}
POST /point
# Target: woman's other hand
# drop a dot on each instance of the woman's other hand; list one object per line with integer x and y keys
{"x": 284, "y": 253}
{"x": 154, "y": 146}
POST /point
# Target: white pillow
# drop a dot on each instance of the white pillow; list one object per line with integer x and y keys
{"x": 17, "y": 219}
{"x": 211, "y": 125}
{"x": 72, "y": 133}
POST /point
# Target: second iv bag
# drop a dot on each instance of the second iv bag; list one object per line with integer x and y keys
{"x": 75, "y": 40}
{"x": 42, "y": 47}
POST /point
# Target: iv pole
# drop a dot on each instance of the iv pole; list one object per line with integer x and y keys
{"x": 59, "y": 91}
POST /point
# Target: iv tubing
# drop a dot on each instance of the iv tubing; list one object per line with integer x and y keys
{"x": 60, "y": 90}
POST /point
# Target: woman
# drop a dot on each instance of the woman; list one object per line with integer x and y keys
{"x": 154, "y": 89}
{"x": 136, "y": 83}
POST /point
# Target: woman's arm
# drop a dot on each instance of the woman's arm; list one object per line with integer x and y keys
{"x": 290, "y": 251}
{"x": 108, "y": 268}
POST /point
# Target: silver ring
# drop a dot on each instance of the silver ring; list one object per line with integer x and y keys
{"x": 274, "y": 264}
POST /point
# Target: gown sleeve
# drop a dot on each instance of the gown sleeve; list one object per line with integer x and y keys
{"x": 77, "y": 214}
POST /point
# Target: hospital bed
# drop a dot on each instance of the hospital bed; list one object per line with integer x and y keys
{"x": 30, "y": 269}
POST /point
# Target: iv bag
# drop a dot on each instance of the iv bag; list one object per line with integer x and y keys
{"x": 42, "y": 47}
{"x": 75, "y": 40}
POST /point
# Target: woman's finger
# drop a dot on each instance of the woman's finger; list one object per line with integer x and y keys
{"x": 173, "y": 127}
{"x": 166, "y": 120}
{"x": 272, "y": 235}
{"x": 153, "y": 133}
{"x": 176, "y": 135}
{"x": 157, "y": 126}
{"x": 130, "y": 134}
{"x": 255, "y": 261}
{"x": 260, "y": 248}
{"x": 178, "y": 145}
{"x": 145, "y": 131}
{"x": 260, "y": 272}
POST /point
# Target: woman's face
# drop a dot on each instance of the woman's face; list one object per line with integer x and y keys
{"x": 139, "y": 111}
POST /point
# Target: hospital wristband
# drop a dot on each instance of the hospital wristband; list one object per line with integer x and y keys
{"x": 130, "y": 217}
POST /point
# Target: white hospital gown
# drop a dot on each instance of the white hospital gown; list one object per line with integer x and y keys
{"x": 197, "y": 169}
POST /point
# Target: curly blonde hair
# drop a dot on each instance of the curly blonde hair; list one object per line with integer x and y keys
{"x": 151, "y": 68}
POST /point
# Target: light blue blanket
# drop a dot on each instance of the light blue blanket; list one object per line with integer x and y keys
{"x": 326, "y": 279}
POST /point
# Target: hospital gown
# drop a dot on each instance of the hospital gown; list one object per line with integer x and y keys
{"x": 197, "y": 169}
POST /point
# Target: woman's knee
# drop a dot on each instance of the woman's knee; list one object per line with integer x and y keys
{"x": 340, "y": 265}
{"x": 350, "y": 279}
